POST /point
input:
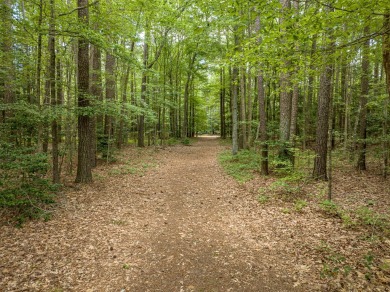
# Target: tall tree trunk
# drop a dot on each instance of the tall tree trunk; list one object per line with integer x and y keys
{"x": 69, "y": 121}
{"x": 84, "y": 168}
{"x": 185, "y": 131}
{"x": 285, "y": 97}
{"x": 323, "y": 111}
{"x": 96, "y": 91}
{"x": 110, "y": 98}
{"x": 222, "y": 95}
{"x": 234, "y": 98}
{"x": 308, "y": 115}
{"x": 243, "y": 133}
{"x": 54, "y": 101}
{"x": 38, "y": 72}
{"x": 361, "y": 164}
{"x": 141, "y": 118}
{"x": 345, "y": 98}
{"x": 250, "y": 110}
{"x": 262, "y": 112}
{"x": 121, "y": 134}
{"x": 263, "y": 124}
{"x": 386, "y": 66}
{"x": 294, "y": 113}
{"x": 295, "y": 94}
{"x": 6, "y": 74}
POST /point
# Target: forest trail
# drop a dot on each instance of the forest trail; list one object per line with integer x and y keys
{"x": 177, "y": 228}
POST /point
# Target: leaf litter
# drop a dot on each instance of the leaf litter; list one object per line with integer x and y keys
{"x": 170, "y": 219}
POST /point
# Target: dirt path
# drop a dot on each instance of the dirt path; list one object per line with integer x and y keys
{"x": 177, "y": 228}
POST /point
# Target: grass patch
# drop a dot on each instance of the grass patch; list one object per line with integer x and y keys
{"x": 241, "y": 166}
{"x": 299, "y": 205}
{"x": 262, "y": 199}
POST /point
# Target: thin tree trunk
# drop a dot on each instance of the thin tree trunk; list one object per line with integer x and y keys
{"x": 295, "y": 94}
{"x": 222, "y": 103}
{"x": 69, "y": 119}
{"x": 84, "y": 168}
{"x": 386, "y": 66}
{"x": 234, "y": 98}
{"x": 294, "y": 114}
{"x": 54, "y": 101}
{"x": 323, "y": 112}
{"x": 38, "y": 72}
{"x": 250, "y": 110}
{"x": 361, "y": 164}
{"x": 141, "y": 118}
{"x": 285, "y": 98}
{"x": 185, "y": 132}
{"x": 345, "y": 98}
{"x": 243, "y": 133}
{"x": 110, "y": 98}
{"x": 96, "y": 91}
{"x": 120, "y": 139}
{"x": 308, "y": 115}
{"x": 262, "y": 112}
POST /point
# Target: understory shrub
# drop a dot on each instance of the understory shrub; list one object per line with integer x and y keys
{"x": 241, "y": 166}
{"x": 23, "y": 185}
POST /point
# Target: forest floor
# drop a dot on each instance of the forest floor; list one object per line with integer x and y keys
{"x": 170, "y": 219}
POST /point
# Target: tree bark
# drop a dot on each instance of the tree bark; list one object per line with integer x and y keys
{"x": 308, "y": 115}
{"x": 121, "y": 134}
{"x": 110, "y": 93}
{"x": 185, "y": 132}
{"x": 361, "y": 163}
{"x": 84, "y": 168}
{"x": 222, "y": 95}
{"x": 386, "y": 66}
{"x": 262, "y": 111}
{"x": 234, "y": 98}
{"x": 243, "y": 133}
{"x": 141, "y": 118}
{"x": 54, "y": 101}
{"x": 295, "y": 94}
{"x": 323, "y": 111}
{"x": 6, "y": 74}
{"x": 285, "y": 98}
{"x": 38, "y": 72}
{"x": 96, "y": 91}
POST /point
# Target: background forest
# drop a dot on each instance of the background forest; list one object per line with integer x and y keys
{"x": 287, "y": 79}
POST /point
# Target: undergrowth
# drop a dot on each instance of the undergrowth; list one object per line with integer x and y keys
{"x": 24, "y": 189}
{"x": 376, "y": 224}
{"x": 241, "y": 166}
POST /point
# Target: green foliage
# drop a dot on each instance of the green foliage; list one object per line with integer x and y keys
{"x": 333, "y": 261}
{"x": 105, "y": 146}
{"x": 368, "y": 217}
{"x": 172, "y": 141}
{"x": 186, "y": 141}
{"x": 241, "y": 166}
{"x": 288, "y": 187}
{"x": 137, "y": 169}
{"x": 299, "y": 205}
{"x": 363, "y": 216}
{"x": 262, "y": 199}
{"x": 331, "y": 208}
{"x": 23, "y": 186}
